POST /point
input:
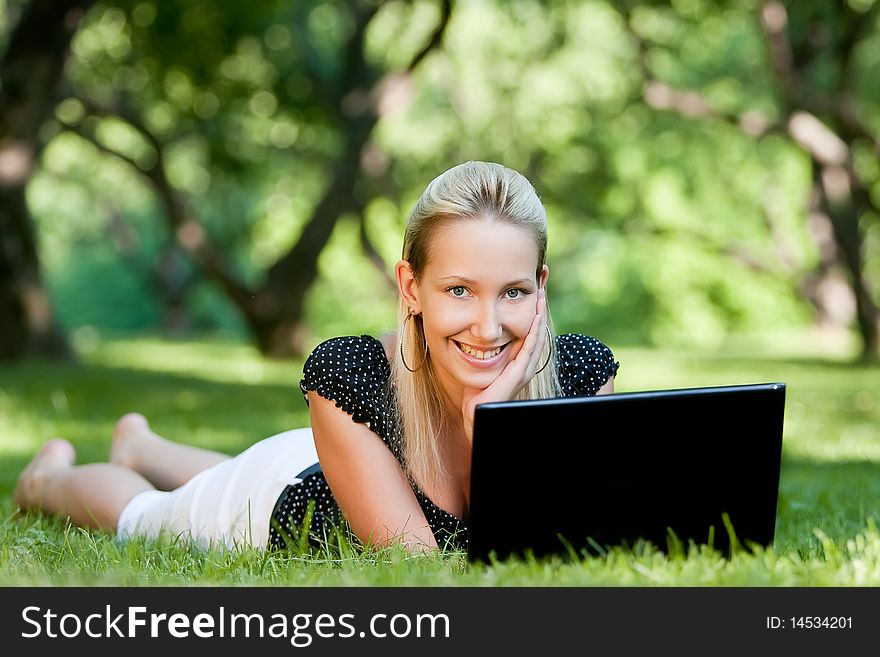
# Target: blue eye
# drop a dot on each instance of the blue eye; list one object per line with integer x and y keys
{"x": 518, "y": 293}
{"x": 458, "y": 290}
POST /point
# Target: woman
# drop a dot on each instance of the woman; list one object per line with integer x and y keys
{"x": 391, "y": 421}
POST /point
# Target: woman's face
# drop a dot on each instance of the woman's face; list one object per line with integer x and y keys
{"x": 477, "y": 297}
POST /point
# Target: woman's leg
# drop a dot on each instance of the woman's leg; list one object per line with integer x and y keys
{"x": 165, "y": 464}
{"x": 90, "y": 495}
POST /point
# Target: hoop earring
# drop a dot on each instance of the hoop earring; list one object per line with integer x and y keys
{"x": 549, "y": 355}
{"x": 409, "y": 316}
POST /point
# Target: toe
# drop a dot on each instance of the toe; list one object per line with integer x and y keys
{"x": 60, "y": 450}
{"x": 131, "y": 422}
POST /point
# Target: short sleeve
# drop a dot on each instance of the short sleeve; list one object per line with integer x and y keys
{"x": 351, "y": 371}
{"x": 584, "y": 364}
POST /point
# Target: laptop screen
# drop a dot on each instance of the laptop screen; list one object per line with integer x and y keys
{"x": 579, "y": 475}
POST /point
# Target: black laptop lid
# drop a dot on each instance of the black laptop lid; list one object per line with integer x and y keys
{"x": 552, "y": 475}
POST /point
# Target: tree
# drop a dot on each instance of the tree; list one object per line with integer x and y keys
{"x": 30, "y": 71}
{"x": 347, "y": 95}
{"x": 824, "y": 105}
{"x": 681, "y": 183}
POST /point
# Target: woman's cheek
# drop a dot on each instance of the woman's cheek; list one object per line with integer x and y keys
{"x": 522, "y": 320}
{"x": 452, "y": 319}
{"x": 448, "y": 321}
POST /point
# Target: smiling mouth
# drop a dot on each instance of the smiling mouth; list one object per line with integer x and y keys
{"x": 479, "y": 354}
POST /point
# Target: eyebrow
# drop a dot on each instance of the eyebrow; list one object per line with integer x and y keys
{"x": 470, "y": 281}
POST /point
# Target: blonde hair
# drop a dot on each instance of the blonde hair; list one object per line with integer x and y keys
{"x": 472, "y": 191}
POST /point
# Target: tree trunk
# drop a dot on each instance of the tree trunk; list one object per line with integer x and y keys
{"x": 30, "y": 72}
{"x": 275, "y": 316}
{"x": 358, "y": 98}
{"x": 840, "y": 206}
{"x": 277, "y": 311}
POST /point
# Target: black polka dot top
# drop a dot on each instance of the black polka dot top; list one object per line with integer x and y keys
{"x": 354, "y": 372}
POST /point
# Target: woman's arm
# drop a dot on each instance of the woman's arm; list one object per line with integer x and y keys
{"x": 367, "y": 481}
{"x": 607, "y": 387}
{"x": 389, "y": 344}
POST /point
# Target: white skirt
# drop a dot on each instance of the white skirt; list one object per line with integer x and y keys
{"x": 229, "y": 504}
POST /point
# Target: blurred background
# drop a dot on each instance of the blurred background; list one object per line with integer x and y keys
{"x": 189, "y": 168}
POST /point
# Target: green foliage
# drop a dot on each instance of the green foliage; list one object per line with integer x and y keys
{"x": 350, "y": 297}
{"x": 222, "y": 395}
{"x": 664, "y": 228}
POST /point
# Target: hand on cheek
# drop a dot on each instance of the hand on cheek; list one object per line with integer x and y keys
{"x": 517, "y": 373}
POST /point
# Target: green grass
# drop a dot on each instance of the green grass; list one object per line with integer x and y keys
{"x": 223, "y": 396}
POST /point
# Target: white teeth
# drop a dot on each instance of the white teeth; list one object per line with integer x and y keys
{"x": 476, "y": 353}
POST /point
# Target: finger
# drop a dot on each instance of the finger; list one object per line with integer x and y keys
{"x": 540, "y": 309}
{"x": 534, "y": 328}
{"x": 538, "y": 355}
{"x": 538, "y": 330}
{"x": 515, "y": 373}
{"x": 526, "y": 361}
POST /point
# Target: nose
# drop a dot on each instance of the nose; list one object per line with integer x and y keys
{"x": 487, "y": 323}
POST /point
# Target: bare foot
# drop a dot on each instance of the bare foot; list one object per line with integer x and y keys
{"x": 131, "y": 432}
{"x": 57, "y": 454}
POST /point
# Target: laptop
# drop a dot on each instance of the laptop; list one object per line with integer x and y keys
{"x": 581, "y": 475}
